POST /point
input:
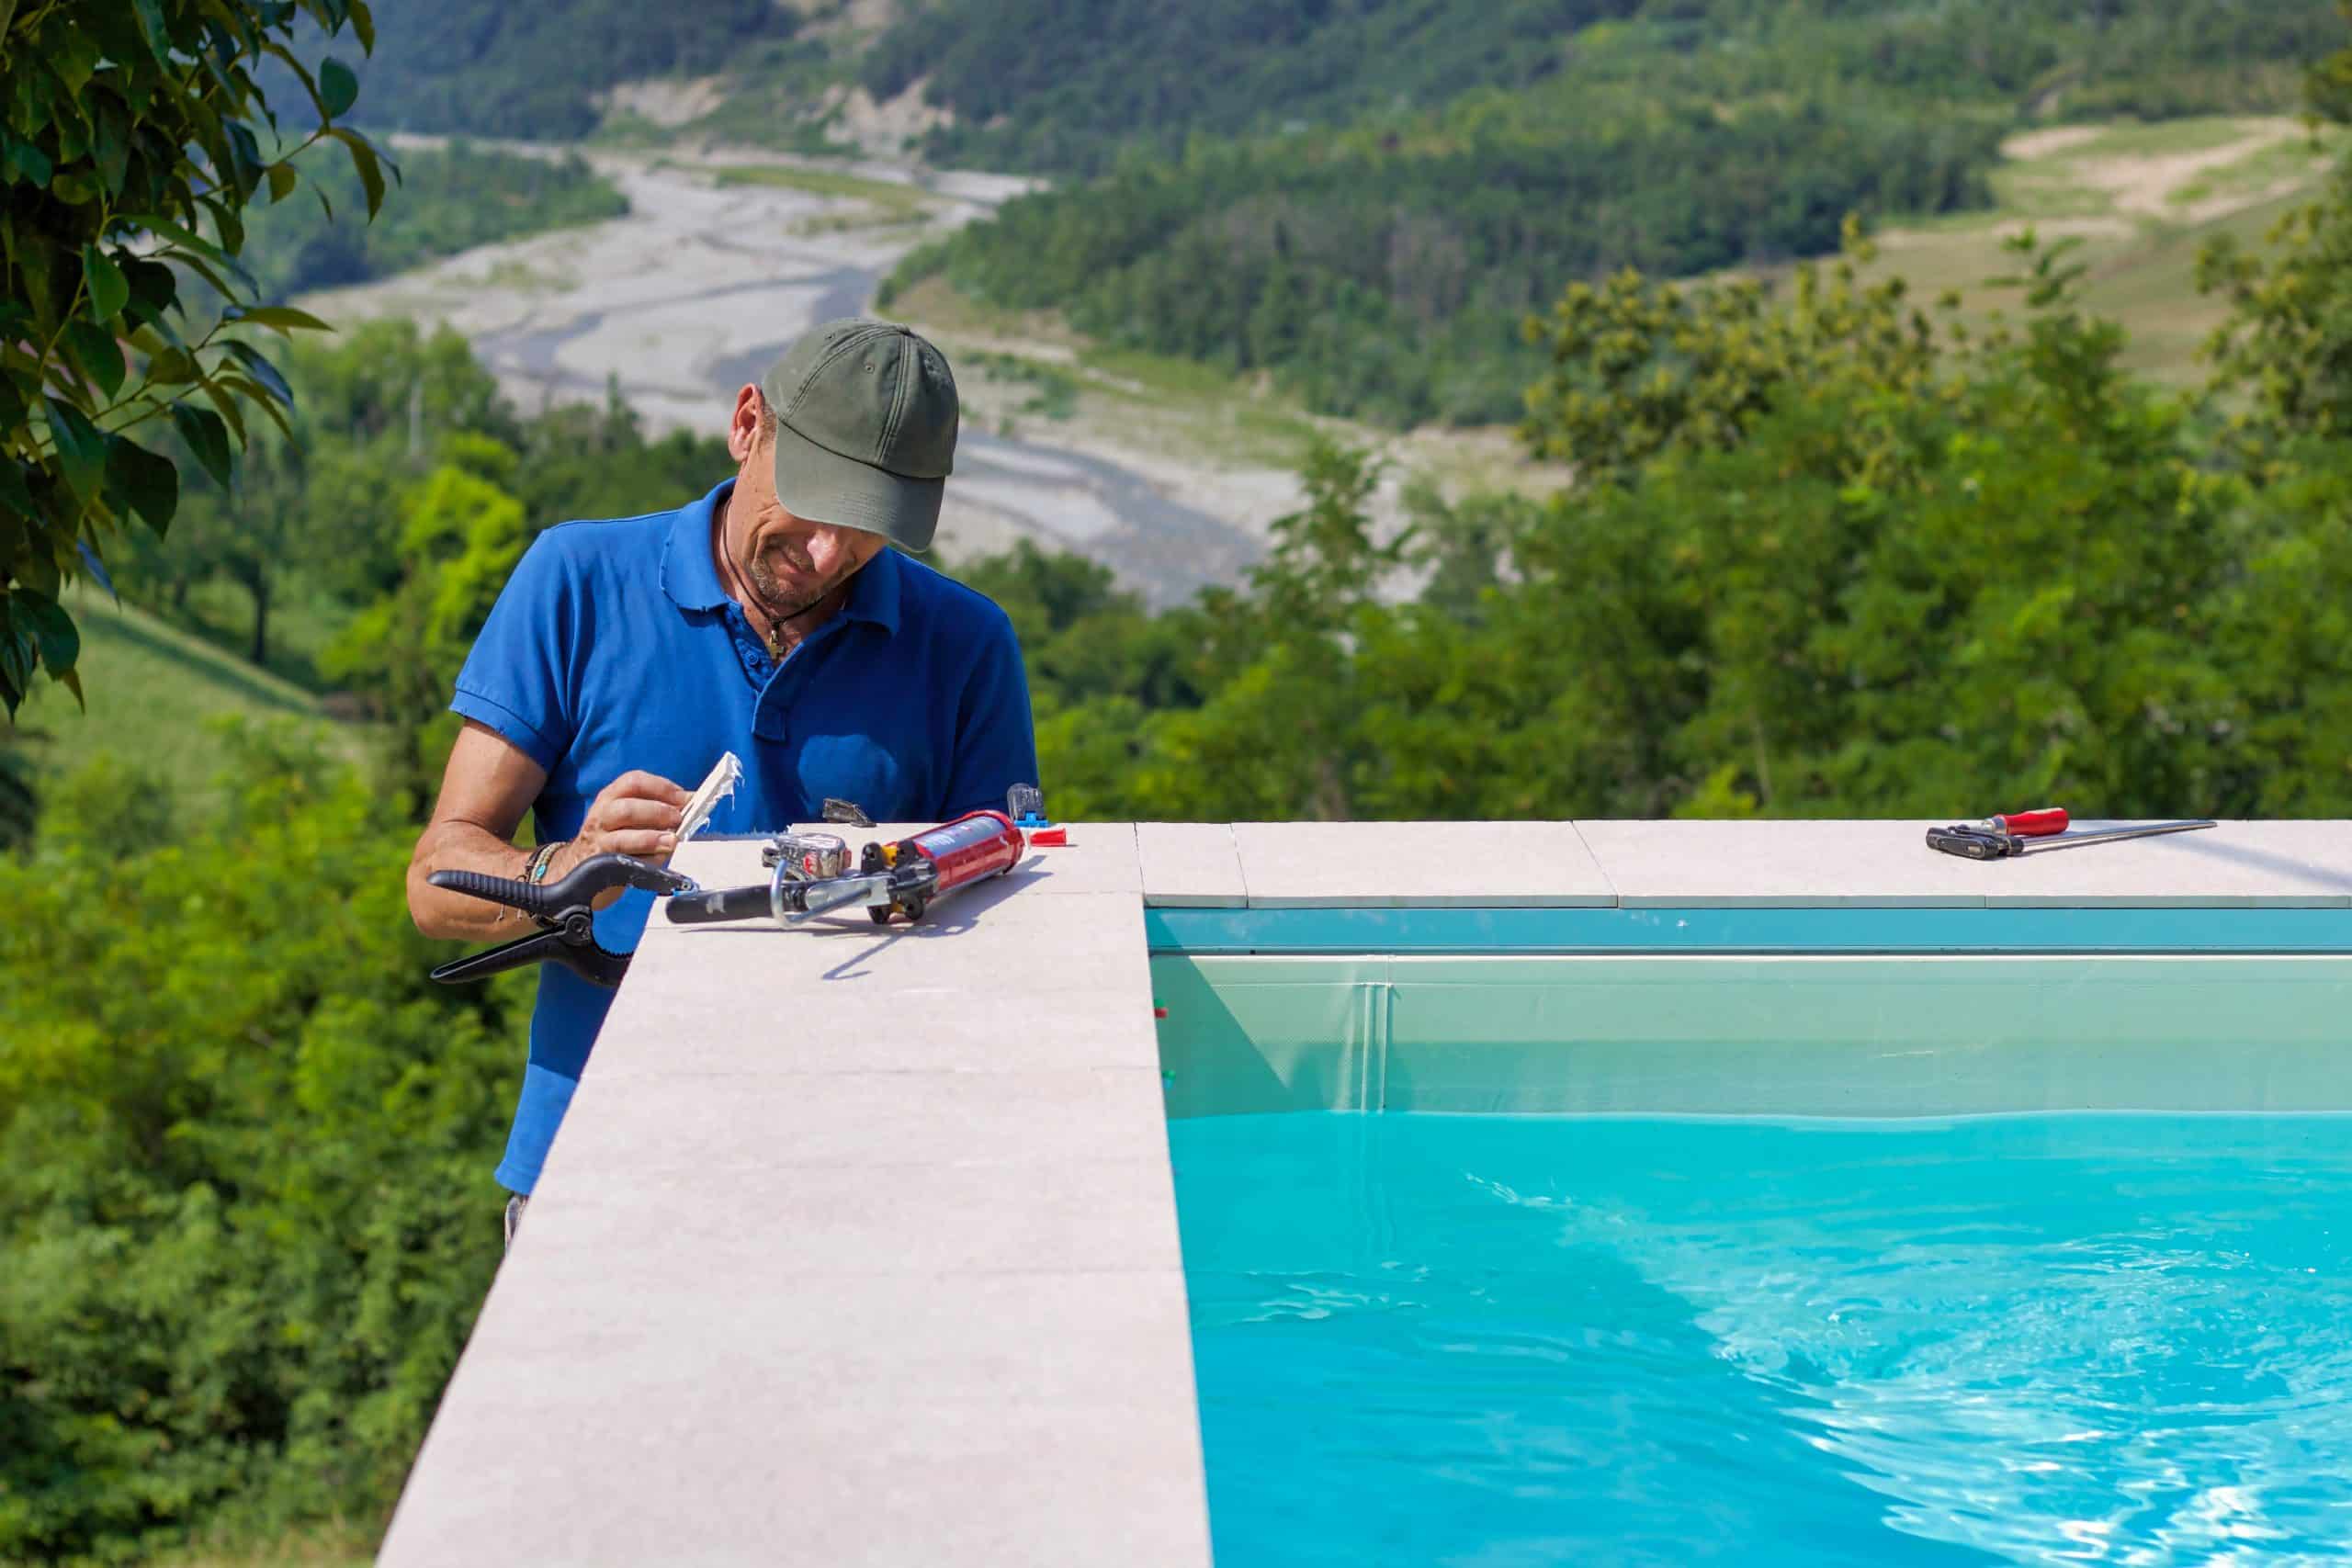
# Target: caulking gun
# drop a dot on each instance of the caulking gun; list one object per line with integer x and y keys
{"x": 904, "y": 876}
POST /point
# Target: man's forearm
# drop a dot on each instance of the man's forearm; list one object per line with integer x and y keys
{"x": 455, "y": 917}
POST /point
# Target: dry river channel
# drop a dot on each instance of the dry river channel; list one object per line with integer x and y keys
{"x": 690, "y": 295}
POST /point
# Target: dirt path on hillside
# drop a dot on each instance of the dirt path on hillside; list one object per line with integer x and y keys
{"x": 2148, "y": 187}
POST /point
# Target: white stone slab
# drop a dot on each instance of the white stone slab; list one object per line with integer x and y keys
{"x": 805, "y": 1222}
{"x": 1887, "y": 862}
{"x": 1781, "y": 864}
{"x": 1476, "y": 864}
{"x": 1190, "y": 865}
{"x": 2278, "y": 864}
{"x": 655, "y": 1031}
{"x": 767, "y": 1417}
{"x": 1099, "y": 858}
{"x": 858, "y": 1119}
{"x": 858, "y": 1245}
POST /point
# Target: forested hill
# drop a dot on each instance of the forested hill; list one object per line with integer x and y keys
{"x": 534, "y": 68}
{"x": 1061, "y": 85}
{"x": 1368, "y": 200}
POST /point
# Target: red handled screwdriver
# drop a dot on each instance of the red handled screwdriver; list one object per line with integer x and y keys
{"x": 2037, "y": 824}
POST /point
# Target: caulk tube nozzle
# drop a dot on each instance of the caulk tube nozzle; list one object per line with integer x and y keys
{"x": 722, "y": 904}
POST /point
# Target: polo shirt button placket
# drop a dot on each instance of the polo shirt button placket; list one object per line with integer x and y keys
{"x": 747, "y": 651}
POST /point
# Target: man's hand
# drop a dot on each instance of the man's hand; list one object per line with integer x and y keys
{"x": 637, "y": 814}
{"x": 488, "y": 787}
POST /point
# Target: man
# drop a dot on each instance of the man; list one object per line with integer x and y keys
{"x": 771, "y": 620}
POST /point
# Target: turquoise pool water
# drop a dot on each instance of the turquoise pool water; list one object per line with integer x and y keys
{"x": 1516, "y": 1340}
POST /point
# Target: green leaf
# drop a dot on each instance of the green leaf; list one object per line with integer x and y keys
{"x": 262, "y": 371}
{"x": 81, "y": 449}
{"x": 363, "y": 23}
{"x": 16, "y": 653}
{"x": 111, "y": 142}
{"x": 363, "y": 160}
{"x": 338, "y": 89}
{"x": 154, "y": 288}
{"x": 100, "y": 357}
{"x": 110, "y": 290}
{"x": 30, "y": 162}
{"x": 207, "y": 437}
{"x": 148, "y": 481}
{"x": 16, "y": 496}
{"x": 282, "y": 317}
{"x": 226, "y": 219}
{"x": 282, "y": 181}
{"x": 260, "y": 398}
{"x": 174, "y": 366}
{"x": 72, "y": 679}
{"x": 53, "y": 629}
{"x": 151, "y": 22}
{"x": 183, "y": 239}
{"x": 218, "y": 396}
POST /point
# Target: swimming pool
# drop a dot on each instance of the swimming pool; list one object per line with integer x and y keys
{"x": 1777, "y": 1259}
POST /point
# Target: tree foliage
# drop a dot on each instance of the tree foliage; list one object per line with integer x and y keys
{"x": 245, "y": 1224}
{"x": 1064, "y": 86}
{"x": 1827, "y": 556}
{"x": 134, "y": 139}
{"x": 1388, "y": 278}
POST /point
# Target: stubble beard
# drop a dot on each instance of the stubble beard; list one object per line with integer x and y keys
{"x": 778, "y": 602}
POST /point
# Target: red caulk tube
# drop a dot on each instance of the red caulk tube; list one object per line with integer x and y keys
{"x": 940, "y": 859}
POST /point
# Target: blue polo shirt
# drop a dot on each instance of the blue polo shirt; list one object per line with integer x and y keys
{"x": 613, "y": 646}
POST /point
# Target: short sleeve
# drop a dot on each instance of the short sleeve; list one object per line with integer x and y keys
{"x": 996, "y": 740}
{"x": 516, "y": 679}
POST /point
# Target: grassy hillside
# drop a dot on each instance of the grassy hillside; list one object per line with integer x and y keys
{"x": 2143, "y": 200}
{"x": 157, "y": 695}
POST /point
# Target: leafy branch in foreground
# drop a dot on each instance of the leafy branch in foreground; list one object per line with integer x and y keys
{"x": 131, "y": 139}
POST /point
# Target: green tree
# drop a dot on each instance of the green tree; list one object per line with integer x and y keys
{"x": 244, "y": 1228}
{"x": 1277, "y": 734}
{"x": 460, "y": 536}
{"x": 134, "y": 137}
{"x": 1638, "y": 368}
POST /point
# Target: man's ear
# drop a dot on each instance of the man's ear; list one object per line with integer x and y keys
{"x": 743, "y": 428}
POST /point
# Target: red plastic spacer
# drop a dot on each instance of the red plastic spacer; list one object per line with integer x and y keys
{"x": 1050, "y": 837}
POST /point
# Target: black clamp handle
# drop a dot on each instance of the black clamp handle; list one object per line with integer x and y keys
{"x": 1975, "y": 843}
{"x": 565, "y": 910}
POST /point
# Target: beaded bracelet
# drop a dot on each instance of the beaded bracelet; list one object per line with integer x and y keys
{"x": 541, "y": 859}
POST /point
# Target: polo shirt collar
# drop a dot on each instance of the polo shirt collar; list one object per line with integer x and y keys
{"x": 690, "y": 576}
{"x": 875, "y": 592}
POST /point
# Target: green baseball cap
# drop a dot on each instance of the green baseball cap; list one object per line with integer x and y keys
{"x": 865, "y": 418}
